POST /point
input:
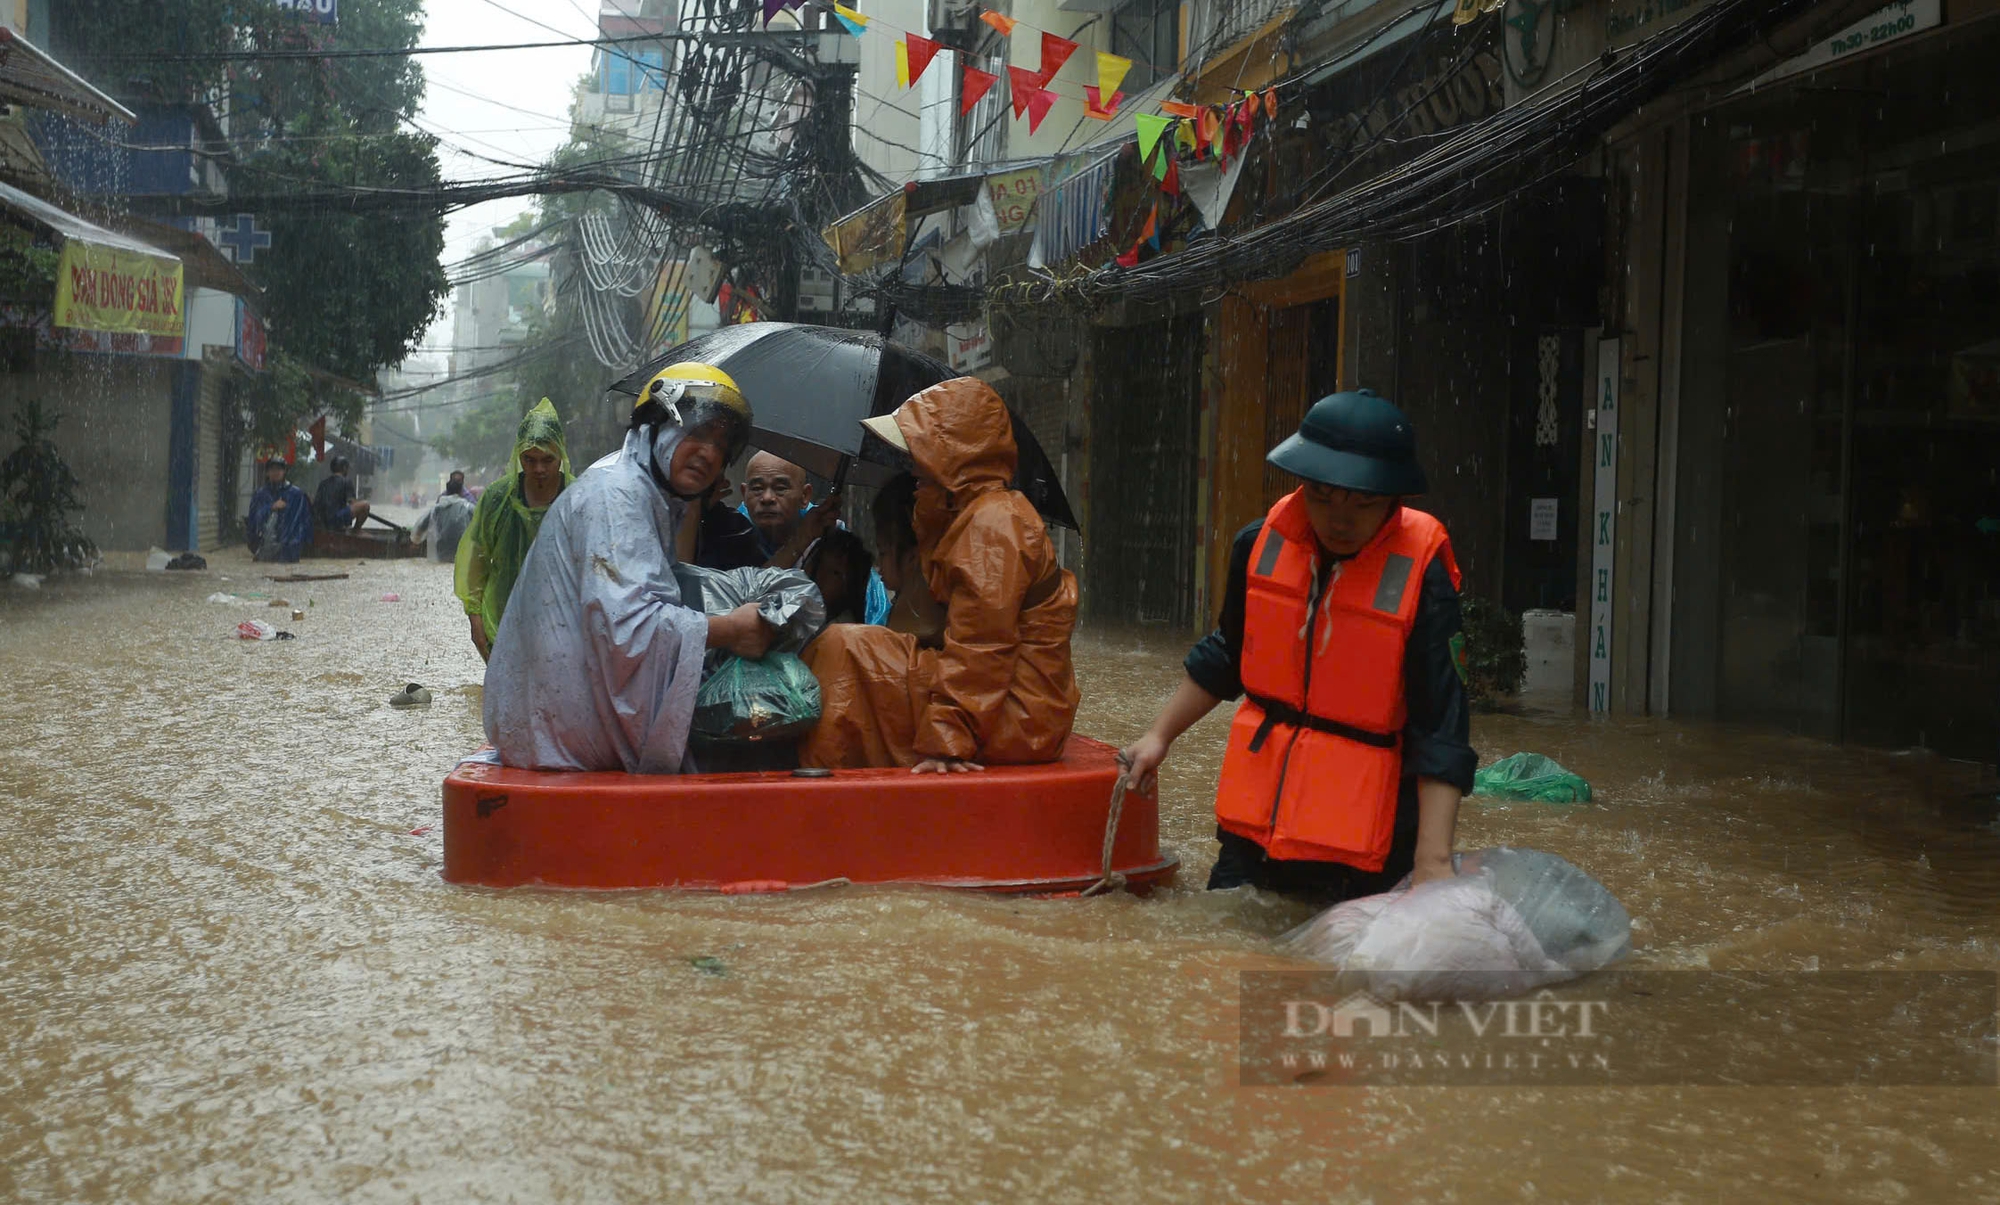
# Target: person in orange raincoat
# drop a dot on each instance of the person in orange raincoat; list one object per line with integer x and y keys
{"x": 1002, "y": 689}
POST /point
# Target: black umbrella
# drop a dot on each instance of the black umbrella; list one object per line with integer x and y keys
{"x": 811, "y": 386}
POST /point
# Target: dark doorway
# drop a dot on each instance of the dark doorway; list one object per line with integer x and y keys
{"x": 1143, "y": 424}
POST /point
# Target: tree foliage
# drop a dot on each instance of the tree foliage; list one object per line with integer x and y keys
{"x": 37, "y": 496}
{"x": 345, "y": 293}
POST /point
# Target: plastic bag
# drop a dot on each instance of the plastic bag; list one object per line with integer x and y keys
{"x": 1532, "y": 777}
{"x": 786, "y": 598}
{"x": 747, "y": 702}
{"x": 255, "y": 629}
{"x": 1511, "y": 921}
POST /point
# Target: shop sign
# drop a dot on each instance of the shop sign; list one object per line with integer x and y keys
{"x": 1603, "y": 523}
{"x": 1629, "y": 21}
{"x": 969, "y": 346}
{"x": 1014, "y": 195}
{"x": 1542, "y": 514}
{"x": 115, "y": 291}
{"x": 319, "y": 12}
{"x": 1889, "y": 23}
{"x": 251, "y": 340}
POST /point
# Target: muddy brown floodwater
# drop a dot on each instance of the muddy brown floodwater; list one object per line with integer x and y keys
{"x": 231, "y": 971}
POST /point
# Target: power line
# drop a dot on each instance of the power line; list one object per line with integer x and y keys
{"x": 248, "y": 56}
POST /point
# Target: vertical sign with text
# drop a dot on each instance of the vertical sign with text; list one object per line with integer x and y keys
{"x": 1603, "y": 523}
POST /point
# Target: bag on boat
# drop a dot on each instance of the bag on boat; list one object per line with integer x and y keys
{"x": 1511, "y": 921}
{"x": 748, "y": 702}
{"x": 786, "y": 598}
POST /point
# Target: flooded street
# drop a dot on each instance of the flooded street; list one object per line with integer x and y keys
{"x": 233, "y": 973}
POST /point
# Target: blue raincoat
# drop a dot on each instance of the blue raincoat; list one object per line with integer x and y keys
{"x": 279, "y": 535}
{"x": 598, "y": 659}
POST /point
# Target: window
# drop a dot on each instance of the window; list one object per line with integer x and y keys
{"x": 1149, "y": 33}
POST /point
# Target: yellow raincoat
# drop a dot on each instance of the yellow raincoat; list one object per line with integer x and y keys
{"x": 1002, "y": 689}
{"x": 504, "y": 525}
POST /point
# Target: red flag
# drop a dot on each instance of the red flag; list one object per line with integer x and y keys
{"x": 1021, "y": 84}
{"x": 1040, "y": 101}
{"x": 921, "y": 52}
{"x": 1096, "y": 106}
{"x": 973, "y": 86}
{"x": 1130, "y": 259}
{"x": 1172, "y": 184}
{"x": 1055, "y": 52}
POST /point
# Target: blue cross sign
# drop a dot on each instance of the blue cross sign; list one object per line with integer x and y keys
{"x": 245, "y": 240}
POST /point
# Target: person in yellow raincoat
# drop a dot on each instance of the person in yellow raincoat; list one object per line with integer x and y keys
{"x": 1001, "y": 690}
{"x": 508, "y": 516}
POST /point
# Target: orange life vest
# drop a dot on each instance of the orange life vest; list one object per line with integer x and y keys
{"x": 1315, "y": 761}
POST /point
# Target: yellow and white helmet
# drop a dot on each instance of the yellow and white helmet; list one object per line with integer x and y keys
{"x": 693, "y": 396}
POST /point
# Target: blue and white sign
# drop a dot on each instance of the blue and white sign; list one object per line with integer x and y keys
{"x": 322, "y": 12}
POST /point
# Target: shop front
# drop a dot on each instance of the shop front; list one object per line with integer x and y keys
{"x": 1836, "y": 535}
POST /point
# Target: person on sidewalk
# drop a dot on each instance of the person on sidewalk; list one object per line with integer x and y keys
{"x": 598, "y": 660}
{"x": 506, "y": 520}
{"x": 1340, "y": 629}
{"x": 335, "y": 507}
{"x": 280, "y": 523}
{"x": 1001, "y": 689}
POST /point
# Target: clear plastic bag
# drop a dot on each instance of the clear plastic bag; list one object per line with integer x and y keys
{"x": 752, "y": 702}
{"x": 1511, "y": 921}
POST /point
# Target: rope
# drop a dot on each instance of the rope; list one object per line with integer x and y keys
{"x": 1109, "y": 879}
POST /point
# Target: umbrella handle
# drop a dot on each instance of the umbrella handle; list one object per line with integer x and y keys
{"x": 840, "y": 474}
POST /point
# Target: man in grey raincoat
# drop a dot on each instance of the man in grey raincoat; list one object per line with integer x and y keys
{"x": 599, "y": 658}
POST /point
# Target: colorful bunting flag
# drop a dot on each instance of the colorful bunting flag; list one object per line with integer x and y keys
{"x": 771, "y": 8}
{"x": 1184, "y": 136}
{"x": 1129, "y": 259}
{"x": 915, "y": 54}
{"x": 972, "y": 86}
{"x": 902, "y": 65}
{"x": 1207, "y": 126}
{"x": 1094, "y": 104}
{"x": 1111, "y": 69}
{"x": 1271, "y": 103}
{"x": 1172, "y": 184}
{"x": 1021, "y": 84}
{"x": 1040, "y": 101}
{"x": 1174, "y": 108}
{"x": 1150, "y": 232}
{"x": 1055, "y": 52}
{"x": 1150, "y": 128}
{"x": 854, "y": 21}
{"x": 1004, "y": 25}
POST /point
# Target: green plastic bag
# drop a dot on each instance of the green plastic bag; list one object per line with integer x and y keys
{"x": 1531, "y": 777}
{"x": 751, "y": 702}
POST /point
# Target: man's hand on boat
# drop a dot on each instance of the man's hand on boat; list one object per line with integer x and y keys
{"x": 742, "y": 631}
{"x": 946, "y": 765}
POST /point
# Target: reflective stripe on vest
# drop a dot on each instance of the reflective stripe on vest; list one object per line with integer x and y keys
{"x": 1314, "y": 765}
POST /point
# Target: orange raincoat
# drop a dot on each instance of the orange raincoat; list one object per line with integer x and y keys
{"x": 1002, "y": 689}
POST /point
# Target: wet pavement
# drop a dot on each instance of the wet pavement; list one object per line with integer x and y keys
{"x": 232, "y": 972}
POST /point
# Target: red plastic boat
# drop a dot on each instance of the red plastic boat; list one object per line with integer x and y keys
{"x": 1018, "y": 829}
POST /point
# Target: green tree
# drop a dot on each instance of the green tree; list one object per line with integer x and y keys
{"x": 37, "y": 496}
{"x": 347, "y": 293}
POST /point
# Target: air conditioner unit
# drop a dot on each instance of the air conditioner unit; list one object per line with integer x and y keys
{"x": 955, "y": 22}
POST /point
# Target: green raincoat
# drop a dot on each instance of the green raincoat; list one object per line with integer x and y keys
{"x": 504, "y": 525}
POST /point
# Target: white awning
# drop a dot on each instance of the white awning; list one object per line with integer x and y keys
{"x": 28, "y": 76}
{"x": 70, "y": 226}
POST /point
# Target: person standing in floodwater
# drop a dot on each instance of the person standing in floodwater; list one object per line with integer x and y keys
{"x": 506, "y": 520}
{"x": 1340, "y": 628}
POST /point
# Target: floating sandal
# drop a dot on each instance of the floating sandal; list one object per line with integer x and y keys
{"x": 412, "y": 695}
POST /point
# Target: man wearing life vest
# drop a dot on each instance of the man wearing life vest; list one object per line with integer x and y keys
{"x": 1340, "y": 631}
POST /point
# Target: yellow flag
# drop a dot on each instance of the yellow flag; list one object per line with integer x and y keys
{"x": 902, "y": 64}
{"x": 1111, "y": 69}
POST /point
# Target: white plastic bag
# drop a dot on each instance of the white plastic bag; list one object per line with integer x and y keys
{"x": 1511, "y": 921}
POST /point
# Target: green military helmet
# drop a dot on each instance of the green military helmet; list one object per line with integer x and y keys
{"x": 1356, "y": 441}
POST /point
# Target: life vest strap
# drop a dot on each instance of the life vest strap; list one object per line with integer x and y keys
{"x": 1276, "y": 713}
